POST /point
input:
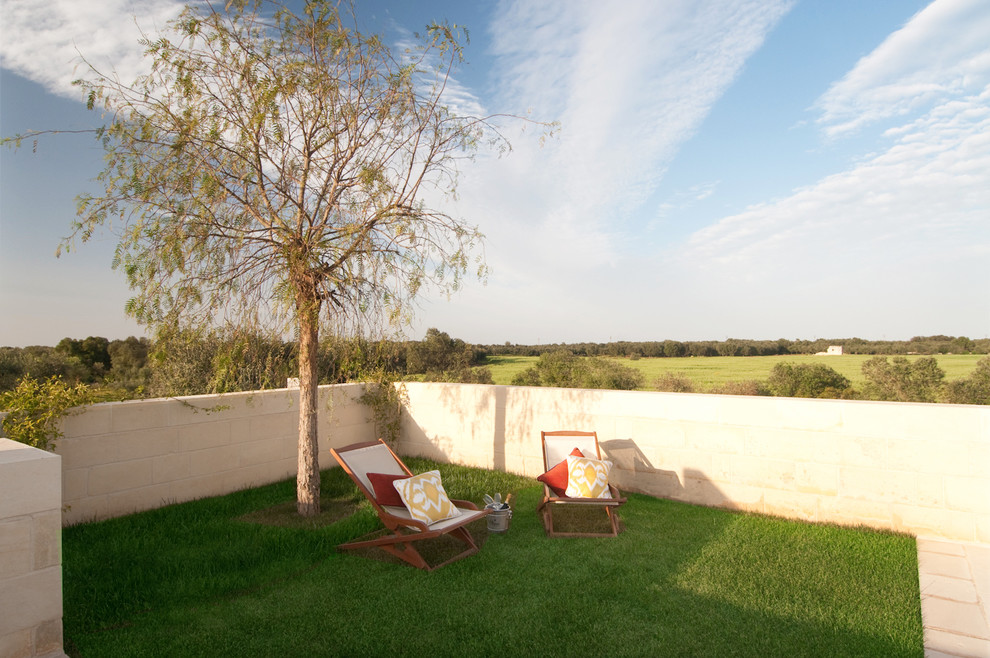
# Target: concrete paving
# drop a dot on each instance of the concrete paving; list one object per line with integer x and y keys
{"x": 955, "y": 597}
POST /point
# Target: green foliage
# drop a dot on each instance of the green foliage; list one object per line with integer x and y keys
{"x": 191, "y": 362}
{"x": 34, "y": 409}
{"x": 38, "y": 362}
{"x": 343, "y": 359}
{"x": 974, "y": 389}
{"x": 265, "y": 175}
{"x": 129, "y": 367}
{"x": 902, "y": 380}
{"x": 806, "y": 380}
{"x": 437, "y": 353}
{"x": 92, "y": 352}
{"x": 440, "y": 358}
{"x": 563, "y": 369}
{"x": 385, "y": 398}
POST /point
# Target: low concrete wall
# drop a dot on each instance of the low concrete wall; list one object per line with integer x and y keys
{"x": 30, "y": 551}
{"x": 918, "y": 468}
{"x": 123, "y": 457}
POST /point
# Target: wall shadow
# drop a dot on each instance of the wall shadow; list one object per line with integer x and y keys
{"x": 514, "y": 440}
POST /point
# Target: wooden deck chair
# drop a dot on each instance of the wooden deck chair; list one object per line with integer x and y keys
{"x": 556, "y": 447}
{"x": 360, "y": 459}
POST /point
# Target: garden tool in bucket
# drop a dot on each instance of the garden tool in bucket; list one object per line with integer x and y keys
{"x": 501, "y": 513}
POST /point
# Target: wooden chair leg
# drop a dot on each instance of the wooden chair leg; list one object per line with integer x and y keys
{"x": 407, "y": 554}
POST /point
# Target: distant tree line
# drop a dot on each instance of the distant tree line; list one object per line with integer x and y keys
{"x": 94, "y": 360}
{"x": 186, "y": 362}
{"x": 924, "y": 345}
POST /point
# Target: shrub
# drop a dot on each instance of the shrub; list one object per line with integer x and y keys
{"x": 463, "y": 375}
{"x": 438, "y": 352}
{"x": 565, "y": 370}
{"x": 975, "y": 389}
{"x": 35, "y": 409}
{"x": 901, "y": 380}
{"x": 806, "y": 380}
{"x": 745, "y": 387}
{"x": 673, "y": 382}
{"x": 386, "y": 399}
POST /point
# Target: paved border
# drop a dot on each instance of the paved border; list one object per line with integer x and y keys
{"x": 955, "y": 597}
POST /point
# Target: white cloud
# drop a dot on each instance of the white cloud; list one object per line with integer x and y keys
{"x": 47, "y": 41}
{"x": 900, "y": 237}
{"x": 920, "y": 195}
{"x": 924, "y": 200}
{"x": 629, "y": 83}
{"x": 941, "y": 51}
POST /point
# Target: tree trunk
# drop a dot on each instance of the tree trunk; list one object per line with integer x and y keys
{"x": 308, "y": 468}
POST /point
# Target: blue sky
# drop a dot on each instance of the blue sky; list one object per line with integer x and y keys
{"x": 747, "y": 168}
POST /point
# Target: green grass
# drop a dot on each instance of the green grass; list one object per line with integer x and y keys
{"x": 228, "y": 576}
{"x": 709, "y": 371}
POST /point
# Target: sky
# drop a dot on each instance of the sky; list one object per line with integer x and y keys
{"x": 724, "y": 168}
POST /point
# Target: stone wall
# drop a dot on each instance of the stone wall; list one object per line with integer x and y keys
{"x": 30, "y": 551}
{"x": 123, "y": 457}
{"x": 917, "y": 468}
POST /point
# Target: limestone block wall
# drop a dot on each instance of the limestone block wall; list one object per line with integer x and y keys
{"x": 918, "y": 468}
{"x": 30, "y": 551}
{"x": 123, "y": 457}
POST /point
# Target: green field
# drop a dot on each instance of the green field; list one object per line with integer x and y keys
{"x": 708, "y": 371}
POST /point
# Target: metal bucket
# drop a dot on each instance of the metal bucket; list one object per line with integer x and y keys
{"x": 498, "y": 520}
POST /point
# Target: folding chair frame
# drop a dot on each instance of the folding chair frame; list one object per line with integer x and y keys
{"x": 405, "y": 530}
{"x": 551, "y": 500}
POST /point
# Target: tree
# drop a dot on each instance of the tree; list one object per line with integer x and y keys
{"x": 902, "y": 380}
{"x": 92, "y": 352}
{"x": 562, "y": 368}
{"x": 442, "y": 358}
{"x": 38, "y": 362}
{"x": 189, "y": 362}
{"x": 272, "y": 171}
{"x": 436, "y": 352}
{"x": 129, "y": 362}
{"x": 806, "y": 380}
{"x": 974, "y": 389}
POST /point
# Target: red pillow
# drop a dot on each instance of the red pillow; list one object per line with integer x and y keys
{"x": 385, "y": 492}
{"x": 556, "y": 477}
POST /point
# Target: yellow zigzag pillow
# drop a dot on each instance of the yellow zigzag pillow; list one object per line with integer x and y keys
{"x": 425, "y": 498}
{"x": 587, "y": 478}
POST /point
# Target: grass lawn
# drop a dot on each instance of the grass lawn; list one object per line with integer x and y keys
{"x": 712, "y": 370}
{"x": 239, "y": 576}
